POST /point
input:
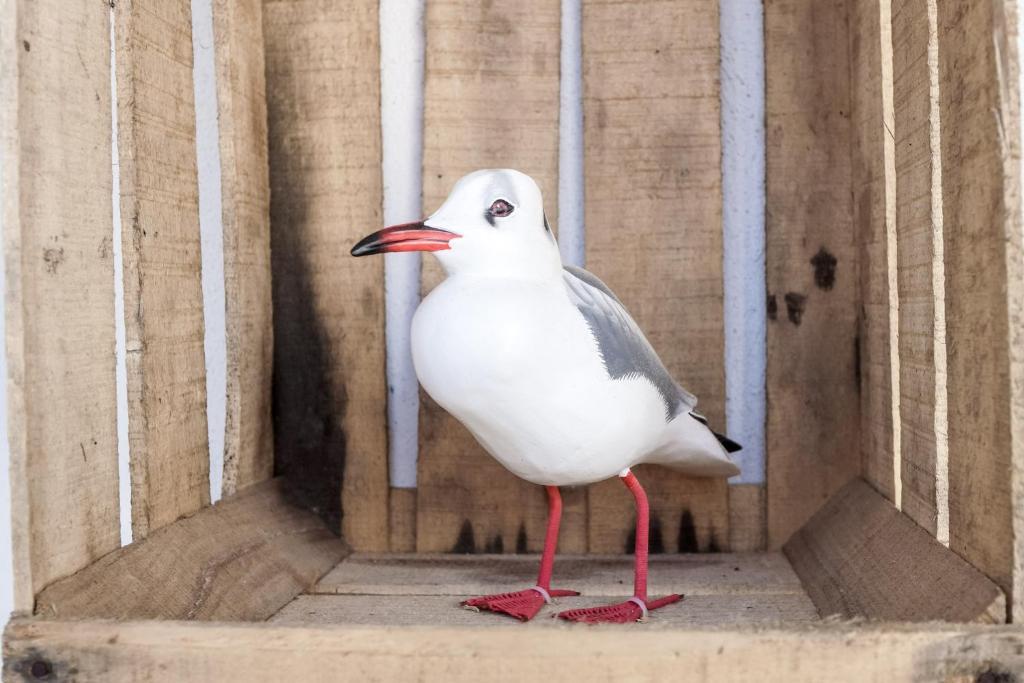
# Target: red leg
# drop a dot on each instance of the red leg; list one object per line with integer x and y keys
{"x": 637, "y": 607}
{"x": 525, "y": 604}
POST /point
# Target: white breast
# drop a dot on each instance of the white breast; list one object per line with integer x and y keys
{"x": 517, "y": 365}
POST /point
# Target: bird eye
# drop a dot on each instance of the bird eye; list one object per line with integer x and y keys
{"x": 501, "y": 208}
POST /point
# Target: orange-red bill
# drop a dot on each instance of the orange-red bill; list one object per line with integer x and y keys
{"x": 405, "y": 237}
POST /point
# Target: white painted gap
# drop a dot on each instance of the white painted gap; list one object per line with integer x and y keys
{"x": 401, "y": 90}
{"x": 124, "y": 478}
{"x": 571, "y": 236}
{"x": 211, "y": 229}
{"x": 941, "y": 416}
{"x": 891, "y": 242}
{"x": 743, "y": 223}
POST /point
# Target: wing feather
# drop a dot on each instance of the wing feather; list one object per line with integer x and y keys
{"x": 624, "y": 349}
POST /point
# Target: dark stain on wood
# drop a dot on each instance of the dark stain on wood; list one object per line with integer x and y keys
{"x": 712, "y": 546}
{"x": 824, "y": 269}
{"x": 35, "y": 665}
{"x": 309, "y": 437}
{"x": 796, "y": 304}
{"x": 465, "y": 544}
{"x": 521, "y": 541}
{"x": 655, "y": 540}
{"x": 495, "y": 546}
{"x": 687, "y": 533}
{"x": 992, "y": 675}
{"x": 773, "y": 307}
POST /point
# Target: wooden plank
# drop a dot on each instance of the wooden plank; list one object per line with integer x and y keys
{"x": 491, "y": 100}
{"x": 245, "y": 212}
{"x": 608, "y": 575}
{"x": 922, "y": 342}
{"x": 59, "y": 281}
{"x": 162, "y": 651}
{"x": 978, "y": 101}
{"x": 874, "y": 219}
{"x": 242, "y": 559}
{"x": 402, "y": 520}
{"x": 427, "y": 610}
{"x": 861, "y": 557}
{"x": 653, "y": 169}
{"x": 746, "y": 517}
{"x": 330, "y": 394}
{"x": 163, "y": 298}
{"x": 813, "y": 403}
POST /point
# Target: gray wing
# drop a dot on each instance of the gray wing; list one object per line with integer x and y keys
{"x": 624, "y": 348}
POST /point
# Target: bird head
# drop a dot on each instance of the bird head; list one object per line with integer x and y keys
{"x": 492, "y": 223}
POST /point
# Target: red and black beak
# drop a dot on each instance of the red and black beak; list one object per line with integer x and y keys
{"x": 405, "y": 237}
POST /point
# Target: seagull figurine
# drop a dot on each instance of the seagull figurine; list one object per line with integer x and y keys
{"x": 545, "y": 367}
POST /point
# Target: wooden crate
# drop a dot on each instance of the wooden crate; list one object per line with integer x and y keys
{"x": 886, "y": 541}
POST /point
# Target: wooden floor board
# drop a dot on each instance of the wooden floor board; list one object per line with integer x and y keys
{"x": 410, "y": 610}
{"x": 456, "y": 575}
{"x": 405, "y": 590}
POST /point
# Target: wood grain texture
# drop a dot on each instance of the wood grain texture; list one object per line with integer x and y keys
{"x": 59, "y": 282}
{"x": 323, "y": 90}
{"x": 874, "y": 219}
{"x": 921, "y": 289}
{"x": 593, "y": 575}
{"x": 746, "y": 518}
{"x": 491, "y": 100}
{"x": 980, "y": 177}
{"x": 163, "y": 296}
{"x": 402, "y": 520}
{"x": 654, "y": 231}
{"x": 242, "y": 559}
{"x": 157, "y": 652}
{"x": 813, "y": 403}
{"x": 861, "y": 557}
{"x": 419, "y": 610}
{"x": 245, "y": 212}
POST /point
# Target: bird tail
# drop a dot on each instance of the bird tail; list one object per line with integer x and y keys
{"x": 689, "y": 446}
{"x": 728, "y": 444}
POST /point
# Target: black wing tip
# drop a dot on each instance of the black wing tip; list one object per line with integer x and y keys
{"x": 728, "y": 444}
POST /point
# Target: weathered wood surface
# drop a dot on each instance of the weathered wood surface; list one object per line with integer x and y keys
{"x": 163, "y": 298}
{"x": 861, "y": 557}
{"x": 653, "y": 171}
{"x": 746, "y": 518}
{"x": 242, "y": 559}
{"x": 323, "y": 83}
{"x": 813, "y": 402}
{"x": 245, "y": 211}
{"x": 874, "y": 219}
{"x": 175, "y": 651}
{"x": 978, "y": 100}
{"x": 402, "y": 520}
{"x": 59, "y": 282}
{"x": 427, "y": 610}
{"x": 608, "y": 575}
{"x": 491, "y": 100}
{"x": 922, "y": 287}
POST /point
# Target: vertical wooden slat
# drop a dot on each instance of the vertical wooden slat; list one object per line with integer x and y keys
{"x": 245, "y": 196}
{"x": 59, "y": 279}
{"x": 491, "y": 100}
{"x": 984, "y": 277}
{"x": 921, "y": 285}
{"x": 323, "y": 102}
{"x": 746, "y": 518}
{"x": 653, "y": 175}
{"x": 873, "y": 179}
{"x": 813, "y": 402}
{"x": 162, "y": 291}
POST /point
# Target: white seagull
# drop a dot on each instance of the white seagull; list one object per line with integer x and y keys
{"x": 545, "y": 367}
